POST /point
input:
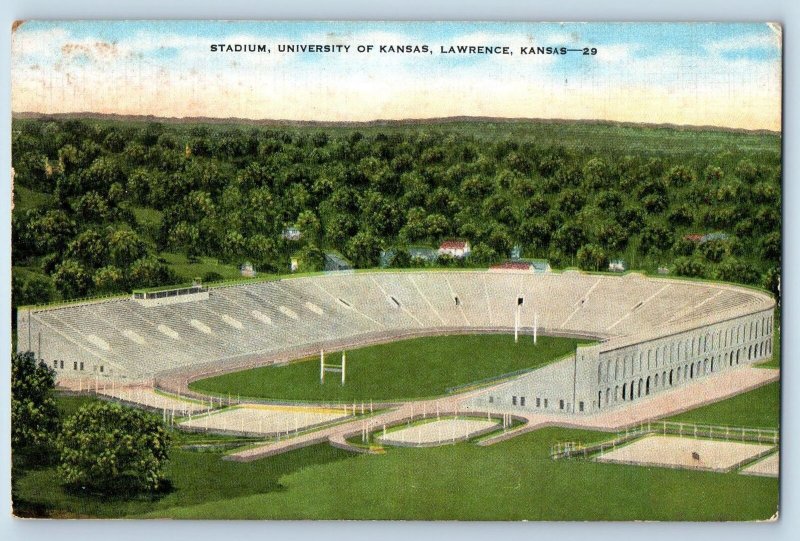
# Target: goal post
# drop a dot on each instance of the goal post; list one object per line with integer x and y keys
{"x": 338, "y": 368}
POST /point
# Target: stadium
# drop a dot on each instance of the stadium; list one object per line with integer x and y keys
{"x": 650, "y": 335}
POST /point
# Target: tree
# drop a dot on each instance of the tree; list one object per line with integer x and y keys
{"x": 772, "y": 282}
{"x": 612, "y": 236}
{"x": 125, "y": 247}
{"x": 89, "y": 248}
{"x": 92, "y": 207}
{"x": 681, "y": 215}
{"x": 34, "y": 416}
{"x": 680, "y": 175}
{"x": 36, "y": 289}
{"x": 592, "y": 257}
{"x": 109, "y": 279}
{"x": 771, "y": 246}
{"x": 71, "y": 279}
{"x": 654, "y": 238}
{"x": 309, "y": 226}
{"x": 571, "y": 201}
{"x": 692, "y": 267}
{"x": 483, "y": 254}
{"x": 684, "y": 247}
{"x": 597, "y": 173}
{"x": 148, "y": 272}
{"x": 735, "y": 270}
{"x": 715, "y": 250}
{"x": 401, "y": 259}
{"x": 111, "y": 449}
{"x": 212, "y": 276}
{"x": 569, "y": 238}
{"x": 363, "y": 250}
{"x": 312, "y": 258}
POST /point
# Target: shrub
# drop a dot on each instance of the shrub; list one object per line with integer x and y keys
{"x": 111, "y": 449}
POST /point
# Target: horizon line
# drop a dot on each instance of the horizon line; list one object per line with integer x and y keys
{"x": 383, "y": 121}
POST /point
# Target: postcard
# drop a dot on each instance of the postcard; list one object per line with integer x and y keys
{"x": 396, "y": 270}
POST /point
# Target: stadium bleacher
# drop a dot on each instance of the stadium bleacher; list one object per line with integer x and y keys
{"x": 128, "y": 339}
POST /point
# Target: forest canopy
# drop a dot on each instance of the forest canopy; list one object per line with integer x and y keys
{"x": 104, "y": 206}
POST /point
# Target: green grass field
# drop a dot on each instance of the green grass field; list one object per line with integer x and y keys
{"x": 759, "y": 408}
{"x": 406, "y": 369}
{"x": 512, "y": 480}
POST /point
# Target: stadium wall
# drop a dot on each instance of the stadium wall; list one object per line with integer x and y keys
{"x": 605, "y": 375}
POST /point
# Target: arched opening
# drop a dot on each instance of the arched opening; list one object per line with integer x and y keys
{"x": 705, "y": 366}
{"x": 647, "y": 386}
{"x": 641, "y": 382}
{"x": 664, "y": 378}
{"x": 599, "y": 399}
{"x": 712, "y": 365}
{"x": 655, "y": 381}
{"x": 624, "y": 389}
{"x": 616, "y": 393}
{"x": 608, "y": 392}
{"x": 632, "y": 390}
{"x": 670, "y": 378}
{"x": 691, "y": 372}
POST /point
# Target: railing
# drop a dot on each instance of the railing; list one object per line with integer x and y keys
{"x": 569, "y": 449}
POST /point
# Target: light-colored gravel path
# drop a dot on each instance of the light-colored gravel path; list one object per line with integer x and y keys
{"x": 766, "y": 467}
{"x": 437, "y": 432}
{"x": 680, "y": 452}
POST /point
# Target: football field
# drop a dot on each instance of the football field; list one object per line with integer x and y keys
{"x": 401, "y": 370}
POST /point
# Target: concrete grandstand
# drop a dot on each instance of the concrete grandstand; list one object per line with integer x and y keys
{"x": 654, "y": 334}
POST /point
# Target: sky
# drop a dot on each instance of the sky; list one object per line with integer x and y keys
{"x": 686, "y": 73}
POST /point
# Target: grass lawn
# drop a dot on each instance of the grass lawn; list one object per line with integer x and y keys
{"x": 759, "y": 408}
{"x": 414, "y": 368}
{"x": 187, "y": 270}
{"x": 512, "y": 480}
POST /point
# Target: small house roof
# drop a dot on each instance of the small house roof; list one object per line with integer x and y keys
{"x": 453, "y": 245}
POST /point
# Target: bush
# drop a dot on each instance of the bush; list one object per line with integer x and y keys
{"x": 111, "y": 449}
{"x": 211, "y": 276}
{"x": 34, "y": 416}
{"x": 592, "y": 257}
{"x": 692, "y": 267}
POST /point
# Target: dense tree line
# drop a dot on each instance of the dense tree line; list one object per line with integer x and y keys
{"x": 229, "y": 192}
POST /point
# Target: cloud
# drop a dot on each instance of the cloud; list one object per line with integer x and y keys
{"x": 174, "y": 74}
{"x": 767, "y": 41}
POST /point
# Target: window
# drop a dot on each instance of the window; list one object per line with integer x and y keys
{"x": 55, "y": 364}
{"x": 513, "y": 400}
{"x": 561, "y": 404}
{"x": 81, "y": 365}
{"x": 520, "y": 301}
{"x": 75, "y": 365}
{"x": 580, "y": 406}
{"x": 538, "y": 402}
{"x": 521, "y": 400}
{"x": 101, "y": 368}
{"x": 458, "y": 302}
{"x": 545, "y": 402}
{"x": 62, "y": 364}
